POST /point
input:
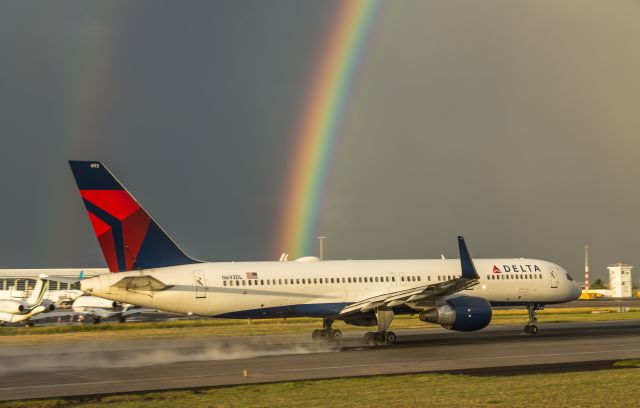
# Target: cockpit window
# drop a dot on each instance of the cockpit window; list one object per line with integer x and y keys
{"x": 569, "y": 277}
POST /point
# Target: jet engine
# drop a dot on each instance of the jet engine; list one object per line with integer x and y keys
{"x": 464, "y": 313}
{"x": 49, "y": 305}
{"x": 11, "y": 306}
{"x": 92, "y": 301}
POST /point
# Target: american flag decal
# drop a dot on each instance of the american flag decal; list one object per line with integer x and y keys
{"x": 252, "y": 275}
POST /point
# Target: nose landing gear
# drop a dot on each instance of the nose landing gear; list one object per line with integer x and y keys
{"x": 531, "y": 327}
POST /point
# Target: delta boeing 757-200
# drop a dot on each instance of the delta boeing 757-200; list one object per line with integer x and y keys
{"x": 153, "y": 272}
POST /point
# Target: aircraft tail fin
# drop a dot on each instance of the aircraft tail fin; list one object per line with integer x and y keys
{"x": 37, "y": 294}
{"x": 129, "y": 238}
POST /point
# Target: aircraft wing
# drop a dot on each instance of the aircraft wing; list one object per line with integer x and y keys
{"x": 141, "y": 283}
{"x": 422, "y": 294}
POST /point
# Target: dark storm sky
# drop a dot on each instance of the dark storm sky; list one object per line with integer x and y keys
{"x": 516, "y": 124}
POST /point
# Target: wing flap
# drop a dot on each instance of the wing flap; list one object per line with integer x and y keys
{"x": 422, "y": 295}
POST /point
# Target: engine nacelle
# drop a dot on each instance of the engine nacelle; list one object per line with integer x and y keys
{"x": 464, "y": 313}
{"x": 11, "y": 306}
{"x": 49, "y": 305}
{"x": 92, "y": 301}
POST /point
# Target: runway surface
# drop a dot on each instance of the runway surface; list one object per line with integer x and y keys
{"x": 142, "y": 365}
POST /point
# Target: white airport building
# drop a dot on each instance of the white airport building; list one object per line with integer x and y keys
{"x": 620, "y": 283}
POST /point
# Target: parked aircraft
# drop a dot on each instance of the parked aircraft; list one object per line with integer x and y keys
{"x": 18, "y": 284}
{"x": 97, "y": 308}
{"x": 22, "y": 309}
{"x": 156, "y": 273}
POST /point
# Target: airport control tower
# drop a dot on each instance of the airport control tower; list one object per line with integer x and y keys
{"x": 620, "y": 280}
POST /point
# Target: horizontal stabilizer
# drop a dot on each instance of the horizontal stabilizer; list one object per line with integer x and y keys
{"x": 141, "y": 283}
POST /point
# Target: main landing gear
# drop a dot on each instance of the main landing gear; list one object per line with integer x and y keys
{"x": 382, "y": 336}
{"x": 327, "y": 333}
{"x": 531, "y": 327}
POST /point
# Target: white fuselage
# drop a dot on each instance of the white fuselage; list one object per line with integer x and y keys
{"x": 323, "y": 288}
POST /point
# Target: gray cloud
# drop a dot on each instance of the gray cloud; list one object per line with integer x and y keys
{"x": 513, "y": 123}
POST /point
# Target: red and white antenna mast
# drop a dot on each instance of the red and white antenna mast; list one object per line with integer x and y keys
{"x": 586, "y": 267}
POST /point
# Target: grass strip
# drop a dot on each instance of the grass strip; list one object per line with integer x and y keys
{"x": 628, "y": 363}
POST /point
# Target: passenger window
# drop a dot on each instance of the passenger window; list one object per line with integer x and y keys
{"x": 393, "y": 279}
{"x": 244, "y": 283}
{"x": 360, "y": 279}
{"x": 224, "y": 283}
{"x": 298, "y": 281}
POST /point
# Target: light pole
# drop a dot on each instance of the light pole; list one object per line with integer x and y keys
{"x": 321, "y": 241}
{"x": 586, "y": 267}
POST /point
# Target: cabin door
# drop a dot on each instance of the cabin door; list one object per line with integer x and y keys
{"x": 201, "y": 284}
{"x": 554, "y": 277}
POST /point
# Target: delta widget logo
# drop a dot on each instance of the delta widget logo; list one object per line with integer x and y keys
{"x": 496, "y": 269}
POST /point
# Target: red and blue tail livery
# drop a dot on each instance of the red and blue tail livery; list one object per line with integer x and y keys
{"x": 129, "y": 238}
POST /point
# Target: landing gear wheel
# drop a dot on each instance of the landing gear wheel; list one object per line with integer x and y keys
{"x": 391, "y": 338}
{"x": 122, "y": 319}
{"x": 315, "y": 335}
{"x": 533, "y": 329}
{"x": 380, "y": 338}
{"x": 96, "y": 320}
{"x": 29, "y": 324}
{"x": 369, "y": 338}
{"x": 335, "y": 335}
{"x": 527, "y": 329}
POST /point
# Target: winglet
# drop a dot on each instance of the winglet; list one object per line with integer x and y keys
{"x": 468, "y": 270}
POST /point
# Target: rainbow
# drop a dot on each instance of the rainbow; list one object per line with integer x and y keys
{"x": 321, "y": 122}
{"x": 89, "y": 89}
